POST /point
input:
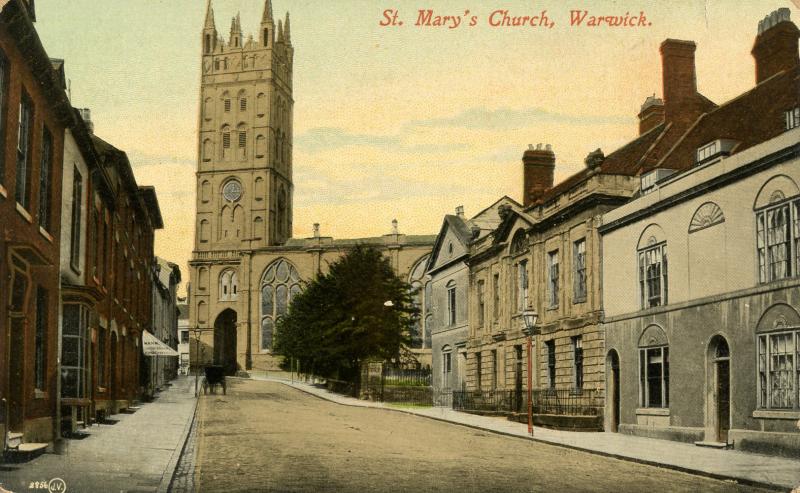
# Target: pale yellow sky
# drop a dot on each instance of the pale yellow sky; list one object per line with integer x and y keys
{"x": 392, "y": 122}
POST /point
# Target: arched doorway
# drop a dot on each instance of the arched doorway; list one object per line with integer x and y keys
{"x": 718, "y": 390}
{"x": 613, "y": 403}
{"x": 225, "y": 341}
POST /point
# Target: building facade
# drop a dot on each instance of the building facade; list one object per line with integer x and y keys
{"x": 183, "y": 337}
{"x": 447, "y": 292}
{"x": 34, "y": 111}
{"x": 700, "y": 276}
{"x": 546, "y": 258}
{"x": 245, "y": 267}
{"x": 162, "y": 369}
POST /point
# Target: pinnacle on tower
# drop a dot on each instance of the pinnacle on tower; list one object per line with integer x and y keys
{"x": 286, "y": 32}
{"x": 236, "y": 32}
{"x": 280, "y": 31}
{"x": 210, "y": 16}
{"x": 266, "y": 17}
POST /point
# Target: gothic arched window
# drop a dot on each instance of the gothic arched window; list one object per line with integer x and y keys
{"x": 420, "y": 285}
{"x": 279, "y": 284}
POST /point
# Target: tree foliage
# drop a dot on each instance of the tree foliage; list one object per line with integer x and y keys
{"x": 341, "y": 318}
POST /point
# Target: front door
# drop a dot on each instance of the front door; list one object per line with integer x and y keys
{"x": 16, "y": 350}
{"x": 723, "y": 399}
{"x": 615, "y": 393}
{"x": 720, "y": 390}
{"x": 225, "y": 341}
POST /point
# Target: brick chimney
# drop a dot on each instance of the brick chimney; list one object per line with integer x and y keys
{"x": 775, "y": 48}
{"x": 651, "y": 114}
{"x": 538, "y": 167}
{"x": 679, "y": 81}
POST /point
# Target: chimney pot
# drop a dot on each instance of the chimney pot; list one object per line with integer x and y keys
{"x": 460, "y": 211}
{"x": 775, "y": 47}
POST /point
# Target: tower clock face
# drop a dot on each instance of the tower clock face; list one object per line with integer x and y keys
{"x": 232, "y": 191}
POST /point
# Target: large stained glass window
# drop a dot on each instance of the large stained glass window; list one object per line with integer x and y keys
{"x": 279, "y": 285}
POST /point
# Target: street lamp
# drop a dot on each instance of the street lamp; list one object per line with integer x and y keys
{"x": 530, "y": 317}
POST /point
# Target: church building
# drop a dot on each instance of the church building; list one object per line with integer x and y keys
{"x": 245, "y": 267}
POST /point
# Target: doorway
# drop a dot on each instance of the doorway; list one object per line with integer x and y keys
{"x": 18, "y": 326}
{"x": 719, "y": 396}
{"x": 225, "y": 341}
{"x": 612, "y": 363}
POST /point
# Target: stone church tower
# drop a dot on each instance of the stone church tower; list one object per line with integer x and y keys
{"x": 244, "y": 170}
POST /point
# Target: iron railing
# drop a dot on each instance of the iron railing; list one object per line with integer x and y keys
{"x": 568, "y": 402}
{"x": 490, "y": 401}
{"x": 565, "y": 402}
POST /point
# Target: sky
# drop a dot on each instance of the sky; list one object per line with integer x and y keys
{"x": 398, "y": 122}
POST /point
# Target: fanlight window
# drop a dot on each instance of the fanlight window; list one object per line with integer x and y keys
{"x": 280, "y": 284}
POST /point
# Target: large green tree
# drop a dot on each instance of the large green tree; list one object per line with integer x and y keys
{"x": 357, "y": 311}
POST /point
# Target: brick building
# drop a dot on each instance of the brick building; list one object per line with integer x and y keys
{"x": 34, "y": 111}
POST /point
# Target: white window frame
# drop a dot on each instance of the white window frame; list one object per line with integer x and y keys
{"x": 579, "y": 270}
{"x": 644, "y": 382}
{"x": 768, "y": 247}
{"x": 451, "y": 304}
{"x": 553, "y": 275}
{"x": 646, "y": 297}
{"x": 766, "y": 374}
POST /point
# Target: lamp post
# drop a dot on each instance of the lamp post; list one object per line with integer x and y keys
{"x": 530, "y": 317}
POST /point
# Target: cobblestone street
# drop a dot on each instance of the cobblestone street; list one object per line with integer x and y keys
{"x": 265, "y": 436}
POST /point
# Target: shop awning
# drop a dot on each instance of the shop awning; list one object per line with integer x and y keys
{"x": 153, "y": 347}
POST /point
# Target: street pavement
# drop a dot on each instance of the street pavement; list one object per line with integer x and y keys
{"x": 137, "y": 454}
{"x": 773, "y": 472}
{"x": 268, "y": 436}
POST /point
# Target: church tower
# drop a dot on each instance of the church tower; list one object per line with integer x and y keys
{"x": 244, "y": 169}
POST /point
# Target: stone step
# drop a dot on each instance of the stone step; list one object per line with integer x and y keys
{"x": 25, "y": 452}
{"x": 717, "y": 445}
{"x": 13, "y": 440}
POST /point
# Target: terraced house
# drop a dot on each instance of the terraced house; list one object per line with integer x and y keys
{"x": 546, "y": 257}
{"x": 34, "y": 111}
{"x": 701, "y": 273}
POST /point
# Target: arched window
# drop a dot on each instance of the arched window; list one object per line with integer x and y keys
{"x": 202, "y": 312}
{"x": 205, "y": 191}
{"x": 204, "y": 230}
{"x": 261, "y": 104}
{"x": 261, "y": 146}
{"x": 242, "y": 100}
{"x": 208, "y": 150}
{"x": 652, "y": 253}
{"x": 279, "y": 284}
{"x": 654, "y": 368}
{"x": 202, "y": 279}
{"x": 777, "y": 209}
{"x": 228, "y": 285}
{"x": 447, "y": 364}
{"x": 519, "y": 242}
{"x": 208, "y": 108}
{"x": 259, "y": 189}
{"x": 420, "y": 282}
{"x": 226, "y": 142}
{"x": 281, "y": 220}
{"x": 258, "y": 226}
{"x": 242, "y": 143}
